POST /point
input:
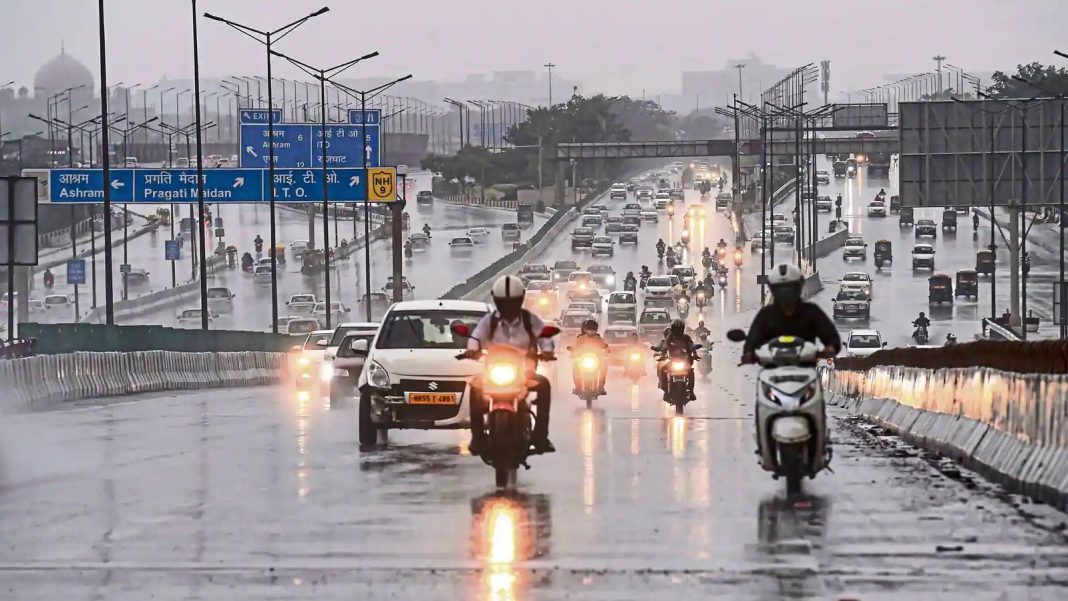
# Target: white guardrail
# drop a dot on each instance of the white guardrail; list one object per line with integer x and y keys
{"x": 1011, "y": 427}
{"x": 36, "y": 382}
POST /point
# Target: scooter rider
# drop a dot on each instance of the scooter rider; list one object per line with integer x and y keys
{"x": 645, "y": 274}
{"x": 700, "y": 288}
{"x": 709, "y": 283}
{"x": 49, "y": 279}
{"x": 511, "y": 325}
{"x": 676, "y": 343}
{"x": 630, "y": 282}
{"x": 950, "y": 339}
{"x": 590, "y": 338}
{"x": 660, "y": 247}
{"x": 788, "y": 315}
{"x": 258, "y": 243}
{"x": 408, "y": 248}
{"x": 701, "y": 331}
{"x": 246, "y": 261}
{"x": 426, "y": 229}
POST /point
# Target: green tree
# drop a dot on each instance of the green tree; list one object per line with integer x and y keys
{"x": 1048, "y": 76}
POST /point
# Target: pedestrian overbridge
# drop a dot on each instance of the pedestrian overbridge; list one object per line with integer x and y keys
{"x": 780, "y": 146}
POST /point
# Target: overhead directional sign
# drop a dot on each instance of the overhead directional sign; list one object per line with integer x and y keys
{"x": 161, "y": 186}
{"x": 300, "y": 145}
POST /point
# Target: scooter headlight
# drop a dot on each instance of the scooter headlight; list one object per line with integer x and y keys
{"x": 635, "y": 357}
{"x": 768, "y": 393}
{"x": 808, "y": 393}
{"x": 588, "y": 362}
{"x": 503, "y": 374}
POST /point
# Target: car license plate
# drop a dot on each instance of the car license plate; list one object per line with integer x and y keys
{"x": 431, "y": 398}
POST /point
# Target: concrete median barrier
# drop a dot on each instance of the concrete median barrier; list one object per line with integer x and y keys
{"x": 1010, "y": 427}
{"x": 46, "y": 380}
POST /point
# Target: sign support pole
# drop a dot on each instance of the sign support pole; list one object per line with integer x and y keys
{"x": 74, "y": 255}
{"x": 326, "y": 196}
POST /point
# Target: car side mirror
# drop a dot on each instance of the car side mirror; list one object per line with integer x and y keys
{"x": 360, "y": 348}
{"x": 295, "y": 347}
{"x": 884, "y": 344}
{"x": 321, "y": 343}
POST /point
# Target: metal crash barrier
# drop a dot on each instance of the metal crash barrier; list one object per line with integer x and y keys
{"x": 49, "y": 379}
{"x": 1012, "y": 427}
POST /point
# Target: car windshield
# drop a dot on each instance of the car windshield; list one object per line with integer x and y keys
{"x": 341, "y": 331}
{"x": 864, "y": 341}
{"x": 55, "y": 300}
{"x": 602, "y": 240}
{"x": 565, "y": 265}
{"x": 510, "y": 226}
{"x": 534, "y": 268}
{"x": 189, "y": 313}
{"x": 618, "y": 335}
{"x": 923, "y": 250}
{"x": 655, "y": 317}
{"x": 583, "y": 231}
{"x": 218, "y": 293}
{"x": 334, "y": 306}
{"x": 539, "y": 286}
{"x": 854, "y": 242}
{"x": 425, "y": 329}
{"x": 312, "y": 343}
{"x": 683, "y": 272}
{"x": 303, "y": 326}
{"x": 578, "y": 276}
{"x": 462, "y": 241}
{"x": 855, "y": 277}
{"x": 375, "y": 297}
{"x": 601, "y": 269}
{"x": 621, "y": 297}
{"x": 662, "y": 282}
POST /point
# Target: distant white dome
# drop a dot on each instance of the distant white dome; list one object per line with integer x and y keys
{"x": 60, "y": 73}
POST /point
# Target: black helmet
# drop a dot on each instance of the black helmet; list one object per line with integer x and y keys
{"x": 922, "y": 315}
{"x": 678, "y": 327}
{"x": 589, "y": 326}
{"x": 630, "y": 274}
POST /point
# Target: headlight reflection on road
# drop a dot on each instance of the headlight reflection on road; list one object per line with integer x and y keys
{"x": 737, "y": 290}
{"x": 589, "y": 443}
{"x": 501, "y": 523}
{"x": 303, "y": 401}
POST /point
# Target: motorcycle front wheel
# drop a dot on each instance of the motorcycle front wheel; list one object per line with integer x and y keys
{"x": 792, "y": 464}
{"x": 504, "y": 432}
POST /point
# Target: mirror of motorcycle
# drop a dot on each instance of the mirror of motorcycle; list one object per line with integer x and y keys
{"x": 461, "y": 330}
{"x": 736, "y": 335}
{"x": 549, "y": 332}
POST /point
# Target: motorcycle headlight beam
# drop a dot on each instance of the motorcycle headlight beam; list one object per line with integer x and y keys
{"x": 588, "y": 362}
{"x": 502, "y": 374}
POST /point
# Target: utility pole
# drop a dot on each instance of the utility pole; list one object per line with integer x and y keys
{"x": 825, "y": 85}
{"x": 939, "y": 59}
{"x": 550, "y": 66}
{"x": 740, "y": 66}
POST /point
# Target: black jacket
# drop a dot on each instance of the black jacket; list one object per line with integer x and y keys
{"x": 808, "y": 322}
{"x": 677, "y": 346}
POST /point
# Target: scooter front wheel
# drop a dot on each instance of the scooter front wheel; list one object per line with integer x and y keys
{"x": 792, "y": 464}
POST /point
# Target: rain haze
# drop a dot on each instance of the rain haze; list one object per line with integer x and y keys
{"x": 614, "y": 47}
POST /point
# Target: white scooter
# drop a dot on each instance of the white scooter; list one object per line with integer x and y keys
{"x": 791, "y": 416}
{"x": 682, "y": 305}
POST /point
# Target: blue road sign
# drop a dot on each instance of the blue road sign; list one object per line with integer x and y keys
{"x": 298, "y": 145}
{"x": 161, "y": 186}
{"x": 171, "y": 250}
{"x": 76, "y": 271}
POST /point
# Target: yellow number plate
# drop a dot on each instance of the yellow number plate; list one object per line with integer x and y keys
{"x": 431, "y": 398}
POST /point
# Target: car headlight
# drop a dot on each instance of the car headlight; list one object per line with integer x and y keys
{"x": 340, "y": 372}
{"x": 377, "y": 375}
{"x": 502, "y": 374}
{"x": 303, "y": 361}
{"x": 543, "y": 301}
{"x": 610, "y": 279}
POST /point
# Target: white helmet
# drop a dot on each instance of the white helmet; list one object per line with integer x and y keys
{"x": 785, "y": 273}
{"x": 508, "y": 287}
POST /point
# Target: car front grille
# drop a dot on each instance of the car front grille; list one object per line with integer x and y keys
{"x": 412, "y": 385}
{"x": 420, "y": 413}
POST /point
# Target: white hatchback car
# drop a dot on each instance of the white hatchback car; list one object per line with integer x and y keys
{"x": 861, "y": 343}
{"x": 411, "y": 378}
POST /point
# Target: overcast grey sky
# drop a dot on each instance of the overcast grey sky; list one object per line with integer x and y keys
{"x": 614, "y": 46}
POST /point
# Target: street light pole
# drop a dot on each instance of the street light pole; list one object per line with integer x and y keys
{"x": 268, "y": 38}
{"x": 550, "y": 66}
{"x": 740, "y": 66}
{"x": 109, "y": 307}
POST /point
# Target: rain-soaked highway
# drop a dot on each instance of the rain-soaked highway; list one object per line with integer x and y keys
{"x": 262, "y": 494}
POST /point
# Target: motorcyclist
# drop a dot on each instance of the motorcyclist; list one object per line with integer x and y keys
{"x": 951, "y": 339}
{"x": 706, "y": 253}
{"x": 921, "y": 322}
{"x": 630, "y": 282}
{"x": 788, "y": 315}
{"x": 975, "y": 221}
{"x": 882, "y": 192}
{"x": 590, "y": 338}
{"x": 701, "y": 331}
{"x": 258, "y": 243}
{"x": 645, "y": 273}
{"x": 671, "y": 253}
{"x": 408, "y": 248}
{"x": 709, "y": 281}
{"x": 660, "y": 246}
{"x": 511, "y": 325}
{"x": 426, "y": 229}
{"x": 678, "y": 344}
{"x": 700, "y": 288}
{"x": 246, "y": 261}
{"x": 49, "y": 279}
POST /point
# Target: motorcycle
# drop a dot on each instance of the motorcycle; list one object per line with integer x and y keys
{"x": 670, "y": 261}
{"x": 505, "y": 385}
{"x": 700, "y": 299}
{"x": 634, "y": 364}
{"x": 660, "y": 253}
{"x": 676, "y": 373}
{"x": 721, "y": 279}
{"x": 629, "y": 284}
{"x": 721, "y": 252}
{"x": 587, "y": 363}
{"x": 49, "y": 279}
{"x": 792, "y": 440}
{"x": 706, "y": 261}
{"x": 738, "y": 257}
{"x": 685, "y": 237}
{"x": 643, "y": 281}
{"x": 682, "y": 305}
{"x": 920, "y": 335}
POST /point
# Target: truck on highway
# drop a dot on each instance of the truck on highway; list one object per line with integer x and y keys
{"x": 879, "y": 162}
{"x": 524, "y": 215}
